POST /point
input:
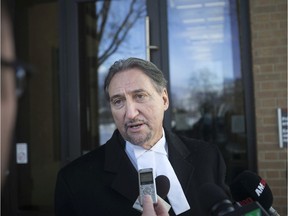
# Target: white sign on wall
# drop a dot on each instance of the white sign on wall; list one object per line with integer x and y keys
{"x": 21, "y": 153}
{"x": 282, "y": 127}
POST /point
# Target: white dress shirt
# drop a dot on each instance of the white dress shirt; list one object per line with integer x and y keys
{"x": 157, "y": 158}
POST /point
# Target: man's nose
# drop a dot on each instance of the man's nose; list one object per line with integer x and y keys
{"x": 131, "y": 110}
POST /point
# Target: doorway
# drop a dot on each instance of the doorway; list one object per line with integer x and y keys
{"x": 196, "y": 44}
{"x": 64, "y": 114}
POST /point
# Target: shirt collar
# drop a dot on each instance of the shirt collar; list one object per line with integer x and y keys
{"x": 135, "y": 151}
{"x": 160, "y": 146}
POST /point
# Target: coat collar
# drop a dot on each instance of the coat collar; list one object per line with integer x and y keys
{"x": 179, "y": 155}
{"x": 124, "y": 177}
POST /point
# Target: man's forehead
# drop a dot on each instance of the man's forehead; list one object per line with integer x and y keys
{"x": 130, "y": 71}
{"x": 129, "y": 79}
{"x": 123, "y": 92}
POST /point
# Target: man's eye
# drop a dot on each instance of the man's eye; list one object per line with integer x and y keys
{"x": 141, "y": 97}
{"x": 117, "y": 103}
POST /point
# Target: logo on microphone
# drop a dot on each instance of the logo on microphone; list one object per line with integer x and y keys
{"x": 246, "y": 201}
{"x": 259, "y": 190}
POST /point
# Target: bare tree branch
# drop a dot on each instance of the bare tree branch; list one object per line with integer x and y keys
{"x": 121, "y": 32}
{"x": 104, "y": 14}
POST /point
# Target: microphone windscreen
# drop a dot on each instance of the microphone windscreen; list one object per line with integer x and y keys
{"x": 162, "y": 186}
{"x": 213, "y": 199}
{"x": 249, "y": 185}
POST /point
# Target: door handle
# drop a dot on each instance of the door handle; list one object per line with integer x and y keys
{"x": 148, "y": 46}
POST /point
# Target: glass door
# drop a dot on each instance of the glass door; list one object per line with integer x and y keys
{"x": 64, "y": 113}
{"x": 206, "y": 78}
{"x": 95, "y": 34}
{"x": 196, "y": 44}
{"x": 108, "y": 31}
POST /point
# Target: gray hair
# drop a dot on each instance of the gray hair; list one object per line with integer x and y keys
{"x": 151, "y": 70}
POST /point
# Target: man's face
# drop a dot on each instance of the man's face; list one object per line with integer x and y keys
{"x": 8, "y": 95}
{"x": 137, "y": 108}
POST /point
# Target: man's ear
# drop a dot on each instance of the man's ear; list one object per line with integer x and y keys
{"x": 165, "y": 99}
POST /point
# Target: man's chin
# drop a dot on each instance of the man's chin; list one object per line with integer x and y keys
{"x": 137, "y": 140}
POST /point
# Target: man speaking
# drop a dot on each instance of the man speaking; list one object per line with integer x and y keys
{"x": 105, "y": 181}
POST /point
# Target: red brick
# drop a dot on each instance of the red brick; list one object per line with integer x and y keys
{"x": 266, "y": 25}
{"x": 281, "y": 165}
{"x": 267, "y": 76}
{"x": 265, "y": 2}
{"x": 269, "y": 50}
{"x": 269, "y": 120}
{"x": 271, "y": 94}
{"x": 271, "y": 102}
{"x": 282, "y": 67}
{"x": 266, "y": 68}
{"x": 282, "y": 103}
{"x": 272, "y": 138}
{"x": 269, "y": 85}
{"x": 261, "y": 17}
{"x": 282, "y": 7}
{"x": 283, "y": 155}
{"x": 266, "y": 147}
{"x": 284, "y": 173}
{"x": 271, "y": 156}
{"x": 263, "y": 111}
{"x": 283, "y": 24}
{"x": 272, "y": 174}
{"x": 266, "y": 60}
{"x": 278, "y": 16}
{"x": 264, "y": 33}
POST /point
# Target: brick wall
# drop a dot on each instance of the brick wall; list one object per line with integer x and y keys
{"x": 269, "y": 50}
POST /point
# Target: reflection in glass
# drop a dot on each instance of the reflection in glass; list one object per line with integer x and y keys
{"x": 109, "y": 31}
{"x": 205, "y": 76}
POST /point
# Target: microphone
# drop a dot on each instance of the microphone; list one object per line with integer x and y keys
{"x": 162, "y": 186}
{"x": 215, "y": 202}
{"x": 249, "y": 187}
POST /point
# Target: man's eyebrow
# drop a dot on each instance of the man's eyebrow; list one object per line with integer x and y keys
{"x": 116, "y": 96}
{"x": 139, "y": 90}
{"x": 122, "y": 95}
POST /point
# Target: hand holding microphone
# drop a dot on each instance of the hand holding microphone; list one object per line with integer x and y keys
{"x": 149, "y": 209}
{"x": 161, "y": 208}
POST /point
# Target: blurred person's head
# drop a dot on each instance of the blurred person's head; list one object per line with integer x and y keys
{"x": 8, "y": 90}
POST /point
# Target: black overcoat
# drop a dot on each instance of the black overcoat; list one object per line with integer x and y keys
{"x": 104, "y": 181}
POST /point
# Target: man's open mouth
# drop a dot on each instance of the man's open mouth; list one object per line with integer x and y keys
{"x": 135, "y": 125}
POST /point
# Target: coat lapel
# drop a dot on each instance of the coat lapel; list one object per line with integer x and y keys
{"x": 179, "y": 158}
{"x": 122, "y": 175}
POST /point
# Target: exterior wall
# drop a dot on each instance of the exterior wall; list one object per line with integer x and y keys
{"x": 269, "y": 49}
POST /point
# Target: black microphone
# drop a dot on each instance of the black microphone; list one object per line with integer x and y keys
{"x": 248, "y": 187}
{"x": 215, "y": 202}
{"x": 162, "y": 186}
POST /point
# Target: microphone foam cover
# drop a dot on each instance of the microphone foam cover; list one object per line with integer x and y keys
{"x": 162, "y": 186}
{"x": 211, "y": 195}
{"x": 247, "y": 185}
